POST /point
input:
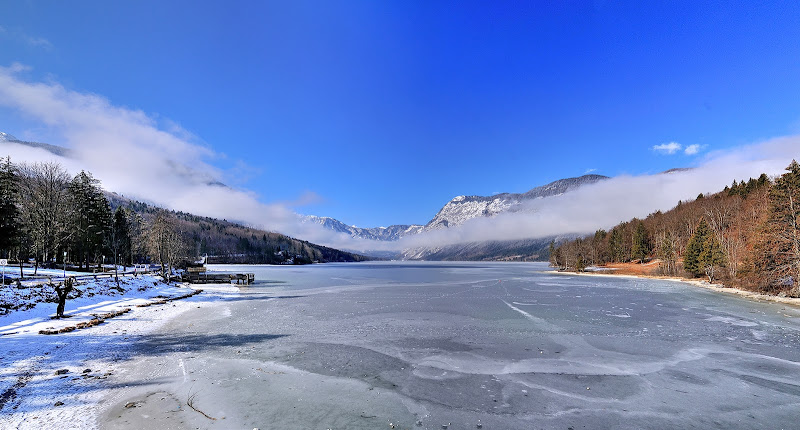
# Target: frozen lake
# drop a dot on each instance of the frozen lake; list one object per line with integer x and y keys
{"x": 500, "y": 345}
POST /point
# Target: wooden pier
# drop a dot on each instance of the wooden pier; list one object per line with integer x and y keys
{"x": 199, "y": 275}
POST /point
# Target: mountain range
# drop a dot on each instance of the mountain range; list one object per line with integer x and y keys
{"x": 391, "y": 233}
{"x": 464, "y": 208}
{"x": 460, "y": 210}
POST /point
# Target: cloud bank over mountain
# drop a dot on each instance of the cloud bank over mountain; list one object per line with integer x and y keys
{"x": 135, "y": 155}
{"x": 131, "y": 153}
{"x": 604, "y": 204}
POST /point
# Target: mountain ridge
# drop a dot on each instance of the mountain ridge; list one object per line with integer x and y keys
{"x": 232, "y": 242}
{"x": 57, "y": 150}
{"x": 457, "y": 211}
{"x": 463, "y": 208}
{"x": 391, "y": 233}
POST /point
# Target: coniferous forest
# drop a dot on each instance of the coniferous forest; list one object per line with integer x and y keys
{"x": 746, "y": 236}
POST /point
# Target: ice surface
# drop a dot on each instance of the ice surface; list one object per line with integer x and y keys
{"x": 506, "y": 345}
{"x": 511, "y": 346}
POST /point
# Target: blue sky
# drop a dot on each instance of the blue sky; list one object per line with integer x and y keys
{"x": 378, "y": 112}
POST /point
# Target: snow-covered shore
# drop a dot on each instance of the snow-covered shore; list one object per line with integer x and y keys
{"x": 59, "y": 381}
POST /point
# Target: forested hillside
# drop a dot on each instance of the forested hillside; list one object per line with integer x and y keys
{"x": 228, "y": 242}
{"x": 53, "y": 218}
{"x": 746, "y": 236}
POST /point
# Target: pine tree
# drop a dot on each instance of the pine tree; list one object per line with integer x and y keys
{"x": 734, "y": 189}
{"x": 120, "y": 238}
{"x": 691, "y": 258}
{"x": 752, "y": 184}
{"x": 763, "y": 179}
{"x": 92, "y": 217}
{"x": 105, "y": 221}
{"x": 641, "y": 247}
{"x": 580, "y": 263}
{"x": 137, "y": 232}
{"x": 10, "y": 230}
{"x": 599, "y": 247}
{"x": 616, "y": 243}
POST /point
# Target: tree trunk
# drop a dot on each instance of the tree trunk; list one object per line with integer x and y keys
{"x": 62, "y": 302}
{"x": 62, "y": 293}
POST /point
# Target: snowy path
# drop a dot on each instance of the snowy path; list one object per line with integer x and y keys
{"x": 58, "y": 381}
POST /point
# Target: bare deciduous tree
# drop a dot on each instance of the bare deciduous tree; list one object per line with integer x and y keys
{"x": 164, "y": 242}
{"x": 667, "y": 251}
{"x": 780, "y": 259}
{"x": 721, "y": 214}
{"x": 46, "y": 209}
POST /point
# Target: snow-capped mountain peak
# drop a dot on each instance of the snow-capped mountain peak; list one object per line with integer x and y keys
{"x": 458, "y": 210}
{"x": 393, "y": 232}
{"x": 463, "y": 208}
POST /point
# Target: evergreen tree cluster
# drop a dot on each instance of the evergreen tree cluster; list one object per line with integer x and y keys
{"x": 703, "y": 252}
{"x": 9, "y": 213}
{"x": 92, "y": 219}
{"x": 743, "y": 189}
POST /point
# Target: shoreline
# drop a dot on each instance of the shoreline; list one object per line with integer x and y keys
{"x": 47, "y": 380}
{"x": 720, "y": 288}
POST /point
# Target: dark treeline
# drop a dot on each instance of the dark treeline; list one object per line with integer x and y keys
{"x": 52, "y": 218}
{"x": 746, "y": 236}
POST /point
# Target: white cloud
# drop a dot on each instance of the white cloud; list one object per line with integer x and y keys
{"x": 668, "y": 148}
{"x": 20, "y": 36}
{"x": 39, "y": 41}
{"x": 18, "y": 68}
{"x": 692, "y": 149}
{"x": 132, "y": 155}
